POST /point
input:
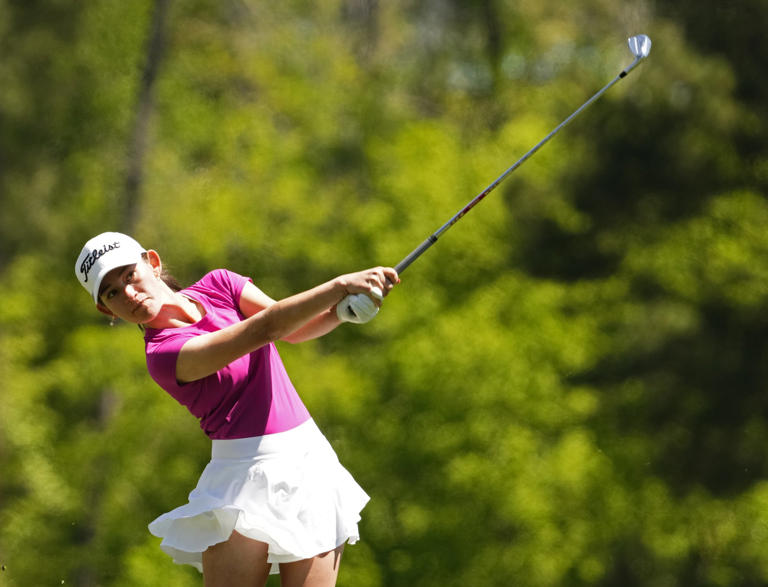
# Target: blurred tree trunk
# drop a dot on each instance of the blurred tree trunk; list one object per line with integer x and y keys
{"x": 87, "y": 571}
{"x": 139, "y": 137}
{"x": 363, "y": 15}
{"x": 494, "y": 33}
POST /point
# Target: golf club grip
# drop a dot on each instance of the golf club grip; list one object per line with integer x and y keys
{"x": 415, "y": 254}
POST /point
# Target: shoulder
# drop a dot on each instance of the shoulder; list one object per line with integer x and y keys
{"x": 222, "y": 281}
{"x": 222, "y": 278}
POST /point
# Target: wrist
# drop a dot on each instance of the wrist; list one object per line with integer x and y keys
{"x": 340, "y": 287}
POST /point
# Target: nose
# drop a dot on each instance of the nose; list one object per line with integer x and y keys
{"x": 130, "y": 291}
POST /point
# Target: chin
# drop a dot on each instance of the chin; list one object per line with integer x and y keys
{"x": 142, "y": 317}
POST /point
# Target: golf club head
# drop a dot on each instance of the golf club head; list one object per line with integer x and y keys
{"x": 640, "y": 45}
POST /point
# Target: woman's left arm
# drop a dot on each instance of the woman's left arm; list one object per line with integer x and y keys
{"x": 253, "y": 301}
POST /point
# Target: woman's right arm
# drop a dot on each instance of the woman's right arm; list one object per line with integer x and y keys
{"x": 206, "y": 354}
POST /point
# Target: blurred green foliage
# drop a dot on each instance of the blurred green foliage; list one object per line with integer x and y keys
{"x": 569, "y": 389}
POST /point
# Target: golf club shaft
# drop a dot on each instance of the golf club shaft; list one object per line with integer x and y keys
{"x": 432, "y": 239}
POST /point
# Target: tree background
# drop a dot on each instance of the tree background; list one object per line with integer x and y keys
{"x": 569, "y": 389}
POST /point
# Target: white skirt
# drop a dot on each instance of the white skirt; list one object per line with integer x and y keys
{"x": 286, "y": 489}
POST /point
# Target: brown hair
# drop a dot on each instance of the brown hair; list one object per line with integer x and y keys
{"x": 169, "y": 279}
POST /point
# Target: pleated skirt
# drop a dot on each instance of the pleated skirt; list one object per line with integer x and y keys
{"x": 286, "y": 489}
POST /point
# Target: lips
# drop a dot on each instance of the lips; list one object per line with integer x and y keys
{"x": 139, "y": 304}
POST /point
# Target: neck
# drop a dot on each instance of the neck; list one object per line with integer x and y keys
{"x": 178, "y": 312}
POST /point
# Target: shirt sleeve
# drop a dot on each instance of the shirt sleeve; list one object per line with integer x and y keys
{"x": 161, "y": 360}
{"x": 230, "y": 282}
{"x": 222, "y": 288}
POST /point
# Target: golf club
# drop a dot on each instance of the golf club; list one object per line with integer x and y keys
{"x": 640, "y": 45}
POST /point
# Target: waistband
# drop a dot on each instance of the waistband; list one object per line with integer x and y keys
{"x": 296, "y": 439}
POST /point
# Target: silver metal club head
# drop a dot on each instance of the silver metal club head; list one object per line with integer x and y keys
{"x": 640, "y": 45}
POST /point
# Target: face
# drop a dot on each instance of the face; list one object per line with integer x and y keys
{"x": 133, "y": 293}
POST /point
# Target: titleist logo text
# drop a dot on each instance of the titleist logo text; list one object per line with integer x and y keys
{"x": 95, "y": 255}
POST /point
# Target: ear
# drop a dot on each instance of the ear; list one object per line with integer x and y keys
{"x": 104, "y": 310}
{"x": 153, "y": 258}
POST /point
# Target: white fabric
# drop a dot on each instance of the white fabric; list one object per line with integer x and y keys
{"x": 101, "y": 254}
{"x": 357, "y": 308}
{"x": 286, "y": 489}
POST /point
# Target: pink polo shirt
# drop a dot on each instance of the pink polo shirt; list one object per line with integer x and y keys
{"x": 252, "y": 396}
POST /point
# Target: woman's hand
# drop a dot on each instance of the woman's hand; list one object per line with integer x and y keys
{"x": 377, "y": 281}
{"x": 365, "y": 292}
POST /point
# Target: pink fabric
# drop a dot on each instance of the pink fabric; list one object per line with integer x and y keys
{"x": 252, "y": 396}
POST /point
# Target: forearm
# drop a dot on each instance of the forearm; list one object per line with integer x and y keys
{"x": 303, "y": 316}
{"x": 319, "y": 326}
{"x": 300, "y": 317}
{"x": 206, "y": 354}
{"x": 298, "y": 327}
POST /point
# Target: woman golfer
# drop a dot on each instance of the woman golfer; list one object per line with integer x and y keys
{"x": 274, "y": 497}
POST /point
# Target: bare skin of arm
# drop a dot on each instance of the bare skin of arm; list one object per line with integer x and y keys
{"x": 300, "y": 317}
{"x": 253, "y": 301}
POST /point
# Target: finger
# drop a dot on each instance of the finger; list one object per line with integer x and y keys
{"x": 390, "y": 279}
